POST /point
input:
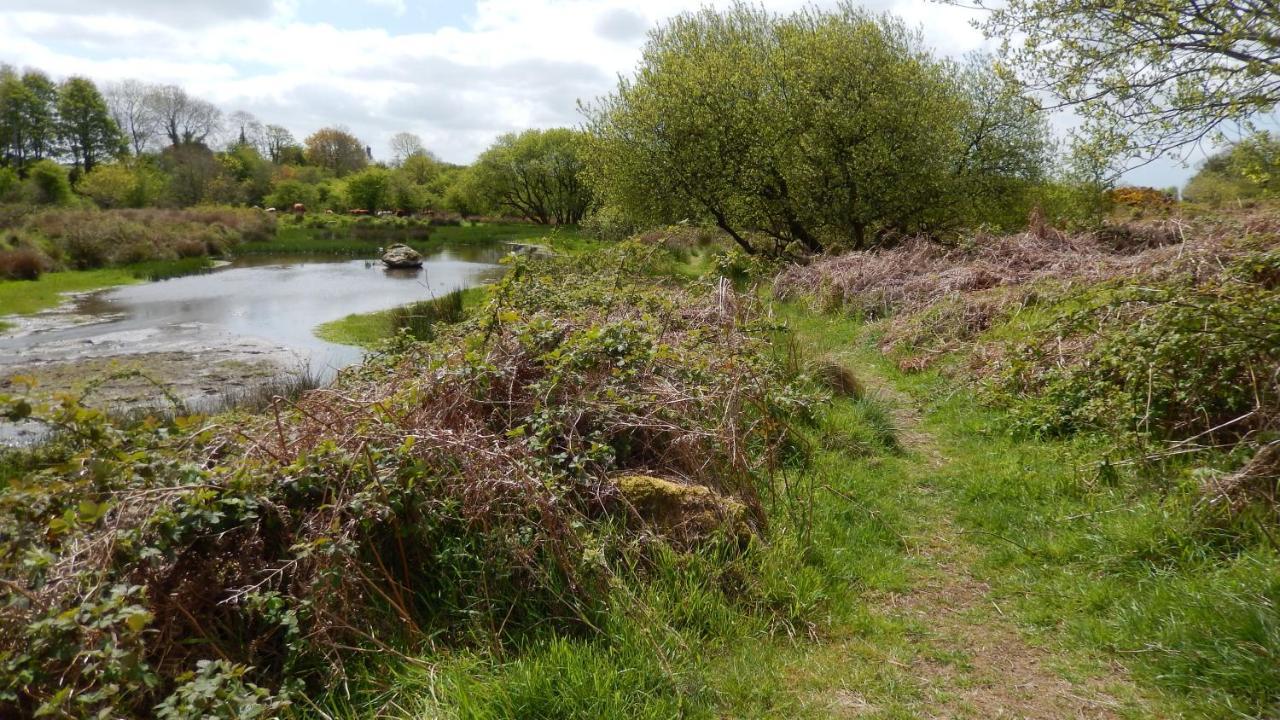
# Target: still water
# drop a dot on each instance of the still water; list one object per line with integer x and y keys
{"x": 277, "y": 300}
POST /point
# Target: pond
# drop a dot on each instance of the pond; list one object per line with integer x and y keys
{"x": 276, "y": 299}
{"x": 243, "y": 323}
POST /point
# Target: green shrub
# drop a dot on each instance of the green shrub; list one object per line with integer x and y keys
{"x": 285, "y": 193}
{"x": 369, "y": 189}
{"x": 121, "y": 186}
{"x": 49, "y": 183}
{"x": 10, "y": 185}
{"x": 1171, "y": 361}
{"x": 22, "y": 264}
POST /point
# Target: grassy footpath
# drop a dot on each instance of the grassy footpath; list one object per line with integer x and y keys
{"x": 1104, "y": 595}
{"x": 941, "y": 568}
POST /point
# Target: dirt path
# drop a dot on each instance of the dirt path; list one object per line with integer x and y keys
{"x": 967, "y": 658}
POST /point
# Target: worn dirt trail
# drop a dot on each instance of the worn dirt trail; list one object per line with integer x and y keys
{"x": 967, "y": 657}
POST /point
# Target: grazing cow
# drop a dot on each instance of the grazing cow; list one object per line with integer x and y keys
{"x": 299, "y": 208}
{"x": 358, "y": 212}
{"x": 328, "y": 212}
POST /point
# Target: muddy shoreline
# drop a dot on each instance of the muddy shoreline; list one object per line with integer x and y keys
{"x": 198, "y": 339}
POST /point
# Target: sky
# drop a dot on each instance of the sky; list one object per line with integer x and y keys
{"x": 458, "y": 73}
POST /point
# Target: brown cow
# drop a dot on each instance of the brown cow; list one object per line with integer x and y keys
{"x": 358, "y": 212}
{"x": 299, "y": 208}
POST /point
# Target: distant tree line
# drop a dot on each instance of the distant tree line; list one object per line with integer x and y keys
{"x": 134, "y": 144}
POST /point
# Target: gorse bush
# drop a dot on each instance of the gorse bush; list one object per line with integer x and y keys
{"x": 450, "y": 494}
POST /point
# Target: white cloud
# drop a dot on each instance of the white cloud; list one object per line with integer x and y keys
{"x": 396, "y": 6}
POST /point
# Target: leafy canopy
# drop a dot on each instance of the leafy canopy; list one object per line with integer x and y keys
{"x": 1147, "y": 75}
{"x": 536, "y": 174}
{"x": 818, "y": 128}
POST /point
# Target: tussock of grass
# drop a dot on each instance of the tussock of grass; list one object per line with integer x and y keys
{"x": 420, "y": 319}
{"x": 371, "y": 330}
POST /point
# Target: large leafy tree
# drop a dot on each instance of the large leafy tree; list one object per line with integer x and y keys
{"x": 370, "y": 189}
{"x": 85, "y": 125}
{"x": 337, "y": 149}
{"x": 536, "y": 174}
{"x": 28, "y": 117}
{"x": 1006, "y": 147}
{"x": 1249, "y": 168}
{"x": 1148, "y": 76}
{"x": 815, "y": 128}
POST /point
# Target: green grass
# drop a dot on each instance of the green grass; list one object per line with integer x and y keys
{"x": 25, "y": 297}
{"x": 167, "y": 269}
{"x": 368, "y": 330}
{"x": 1104, "y": 563}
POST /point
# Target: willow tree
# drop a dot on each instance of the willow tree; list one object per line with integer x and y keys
{"x": 536, "y": 174}
{"x": 1148, "y": 76}
{"x": 682, "y": 138}
{"x": 815, "y": 128}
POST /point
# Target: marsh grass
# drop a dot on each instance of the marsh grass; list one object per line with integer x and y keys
{"x": 372, "y": 330}
{"x": 419, "y": 319}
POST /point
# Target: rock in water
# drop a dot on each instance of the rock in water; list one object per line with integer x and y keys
{"x": 401, "y": 256}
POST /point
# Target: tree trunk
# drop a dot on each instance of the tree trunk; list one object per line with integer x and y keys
{"x": 723, "y": 224}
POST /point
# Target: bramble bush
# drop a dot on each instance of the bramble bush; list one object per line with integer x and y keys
{"x": 457, "y": 493}
{"x": 1173, "y": 360}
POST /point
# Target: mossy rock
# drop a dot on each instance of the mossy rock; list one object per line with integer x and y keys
{"x": 684, "y": 514}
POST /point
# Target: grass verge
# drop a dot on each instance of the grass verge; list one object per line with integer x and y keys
{"x": 1112, "y": 568}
